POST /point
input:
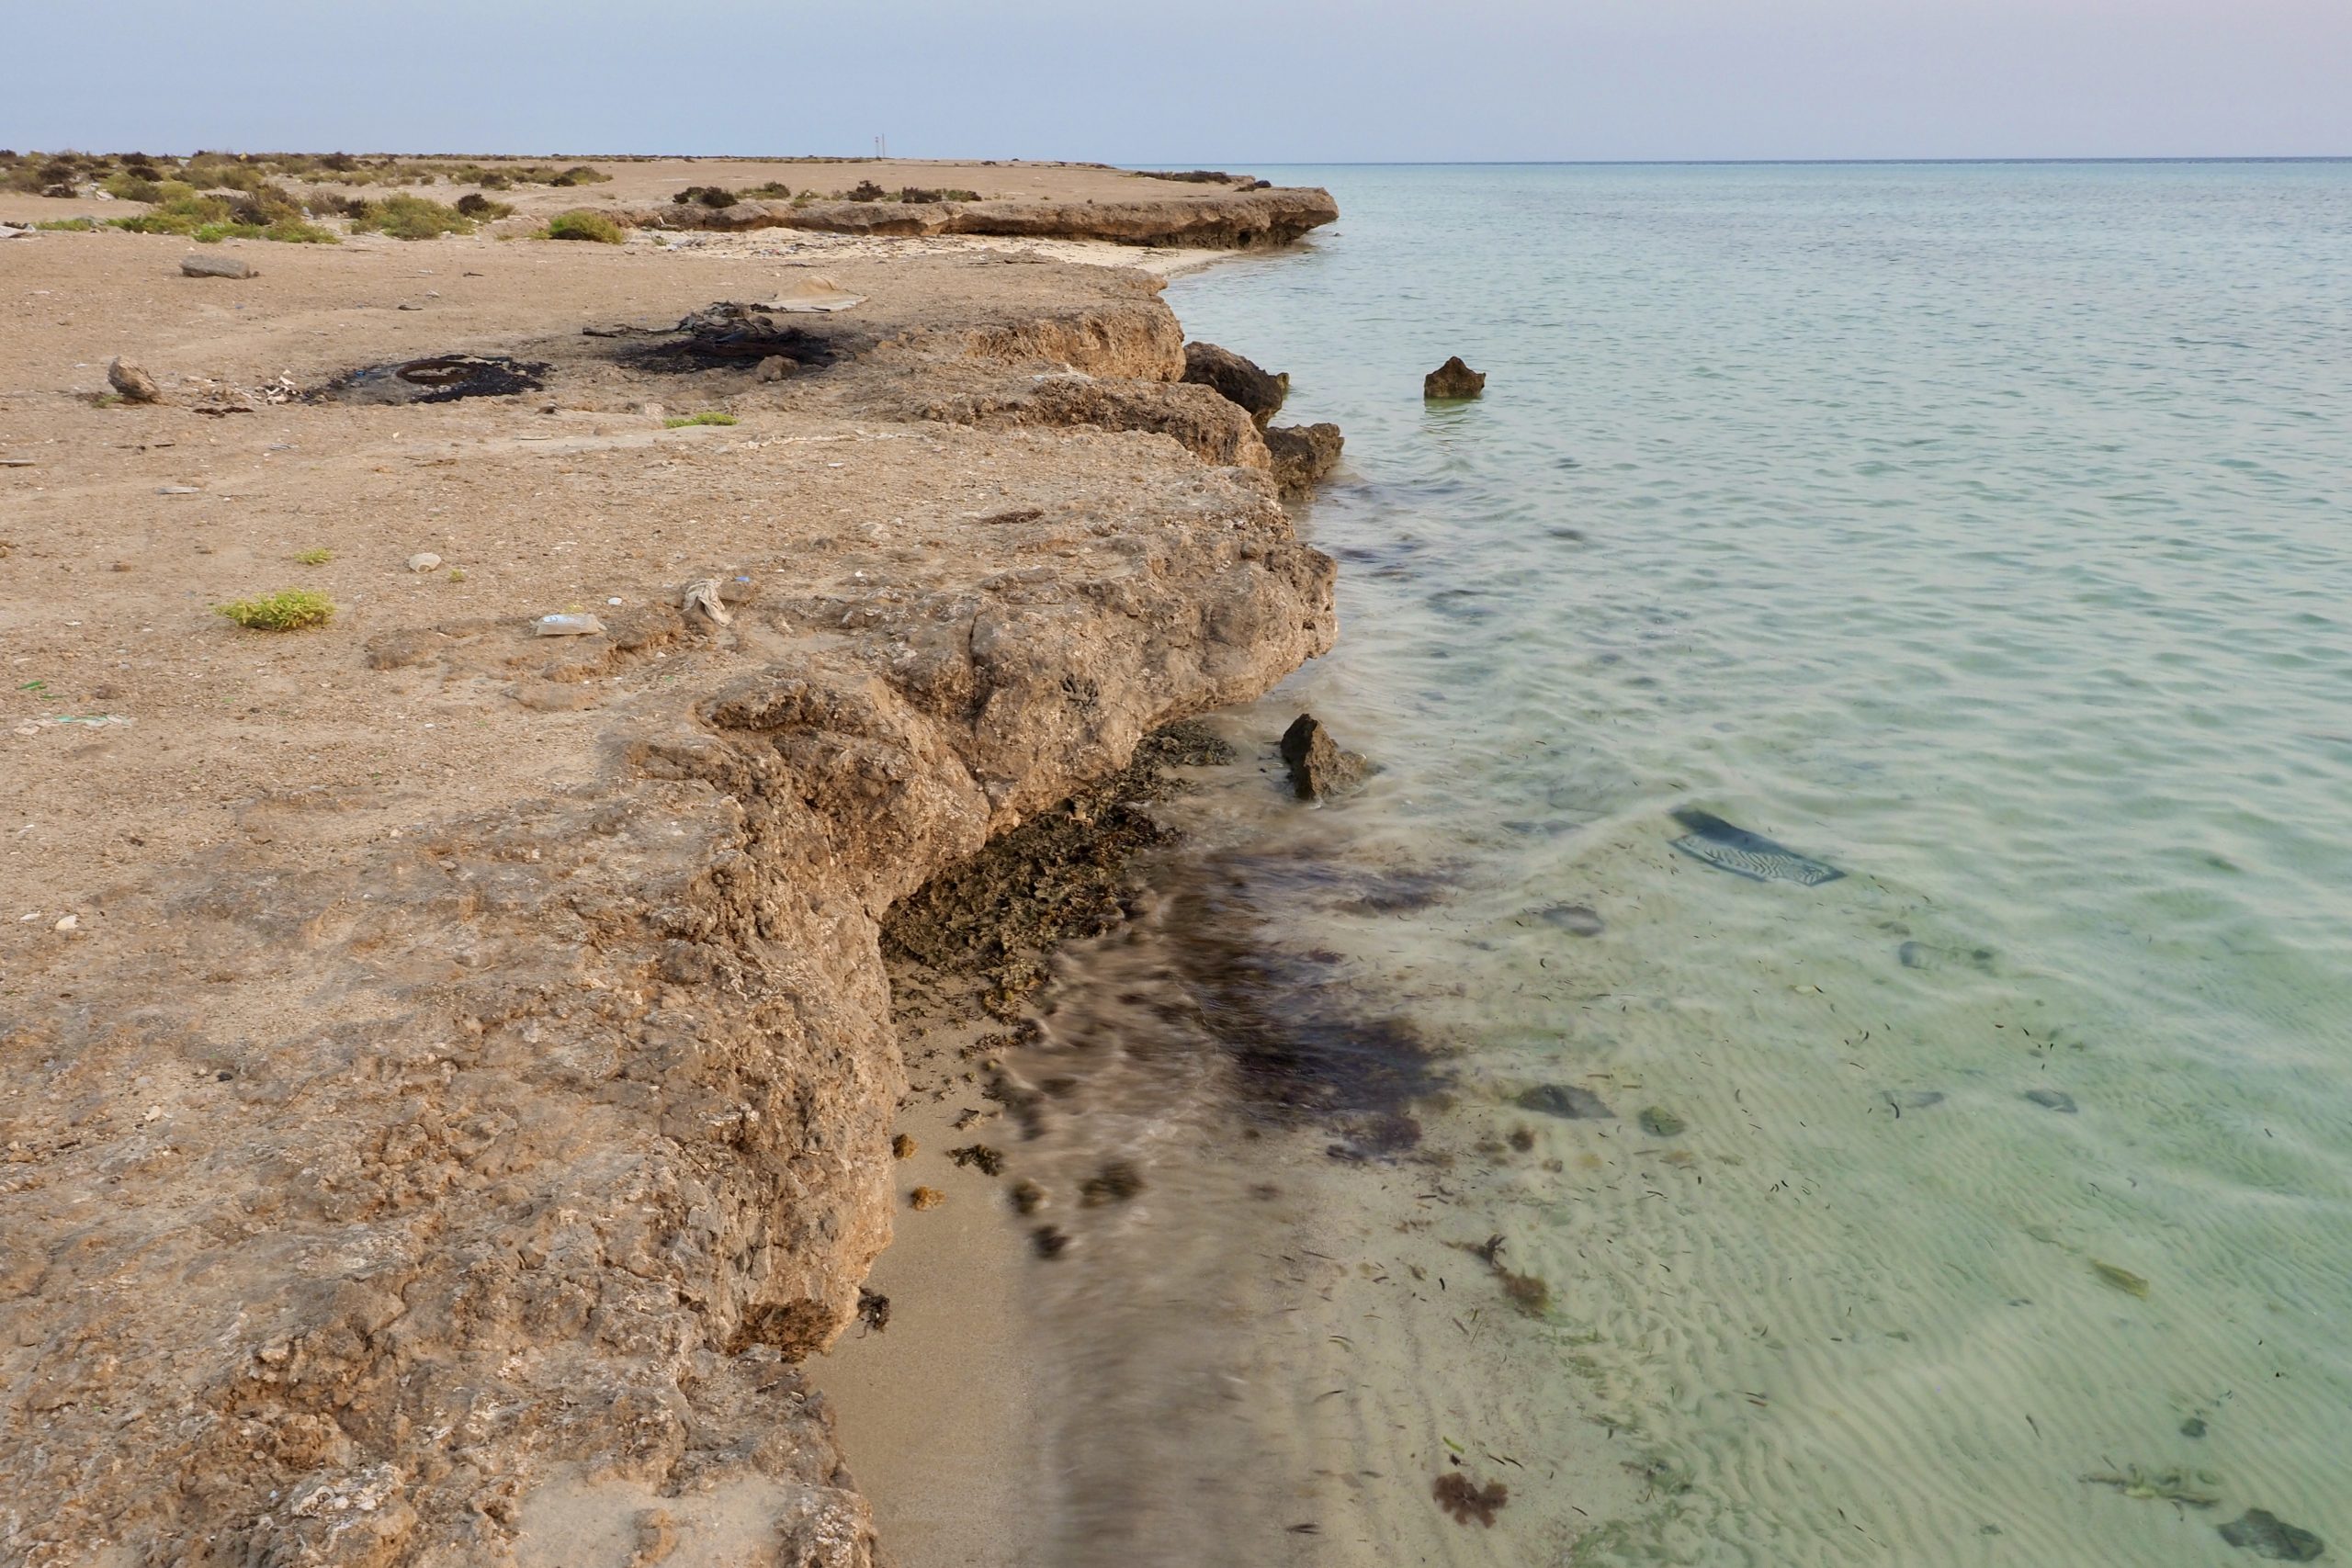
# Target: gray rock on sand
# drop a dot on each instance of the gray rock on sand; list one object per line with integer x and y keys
{"x": 1566, "y": 1100}
{"x": 1454, "y": 380}
{"x": 1577, "y": 920}
{"x": 134, "y": 384}
{"x": 2052, "y": 1099}
{"x": 1318, "y": 767}
{"x": 1660, "y": 1123}
{"x": 1303, "y": 454}
{"x": 195, "y": 264}
{"x": 2265, "y": 1534}
{"x": 1259, "y": 392}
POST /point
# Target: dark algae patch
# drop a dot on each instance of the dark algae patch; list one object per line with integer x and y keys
{"x": 1469, "y": 1503}
{"x": 2265, "y": 1534}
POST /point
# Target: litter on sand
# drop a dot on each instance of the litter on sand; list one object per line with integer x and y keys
{"x": 1743, "y": 854}
{"x": 814, "y": 292}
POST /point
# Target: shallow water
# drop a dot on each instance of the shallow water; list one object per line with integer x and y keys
{"x": 1981, "y": 532}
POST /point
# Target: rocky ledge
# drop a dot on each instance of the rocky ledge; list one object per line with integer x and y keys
{"x": 447, "y": 1161}
{"x": 1219, "y": 220}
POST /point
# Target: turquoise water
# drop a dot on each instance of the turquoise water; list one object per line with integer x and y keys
{"x": 1983, "y": 532}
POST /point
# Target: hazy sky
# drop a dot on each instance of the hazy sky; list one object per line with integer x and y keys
{"x": 1191, "y": 81}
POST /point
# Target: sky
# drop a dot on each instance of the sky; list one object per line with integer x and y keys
{"x": 1192, "y": 82}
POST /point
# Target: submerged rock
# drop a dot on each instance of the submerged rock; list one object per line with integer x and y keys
{"x": 1259, "y": 392}
{"x": 1566, "y": 1101}
{"x": 1303, "y": 454}
{"x": 2052, "y": 1099}
{"x": 1454, "y": 380}
{"x": 1660, "y": 1123}
{"x": 1579, "y": 920}
{"x": 2265, "y": 1534}
{"x": 1318, "y": 767}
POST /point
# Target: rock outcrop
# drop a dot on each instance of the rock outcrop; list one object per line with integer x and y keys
{"x": 1303, "y": 454}
{"x": 1319, "y": 767}
{"x": 1259, "y": 392}
{"x": 484, "y": 1176}
{"x": 1454, "y": 380}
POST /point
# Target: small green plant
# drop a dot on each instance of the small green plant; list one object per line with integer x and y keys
{"x": 82, "y": 224}
{"x": 180, "y": 214}
{"x": 708, "y": 417}
{"x": 313, "y": 557}
{"x": 287, "y": 610}
{"x": 705, "y": 196}
{"x": 457, "y": 574}
{"x": 296, "y": 231}
{"x": 593, "y": 226}
{"x": 406, "y": 217}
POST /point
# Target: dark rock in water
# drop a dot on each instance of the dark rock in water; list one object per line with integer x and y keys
{"x": 1566, "y": 1099}
{"x": 2193, "y": 1427}
{"x": 1915, "y": 956}
{"x": 1743, "y": 854}
{"x": 1660, "y": 1123}
{"x": 1115, "y": 1183}
{"x": 2265, "y": 1534}
{"x": 1453, "y": 381}
{"x": 1259, "y": 392}
{"x": 1576, "y": 917}
{"x": 2052, "y": 1099}
{"x": 1317, "y": 767}
{"x": 1912, "y": 1099}
{"x": 1303, "y": 454}
{"x": 1049, "y": 1241}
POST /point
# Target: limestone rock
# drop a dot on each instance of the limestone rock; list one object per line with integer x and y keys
{"x": 1319, "y": 767}
{"x": 197, "y": 264}
{"x": 1304, "y": 454}
{"x": 134, "y": 384}
{"x": 1454, "y": 380}
{"x": 1221, "y": 371}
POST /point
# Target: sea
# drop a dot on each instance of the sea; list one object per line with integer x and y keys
{"x": 1828, "y": 1027}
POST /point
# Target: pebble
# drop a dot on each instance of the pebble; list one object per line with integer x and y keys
{"x": 200, "y": 266}
{"x": 2052, "y": 1099}
{"x": 134, "y": 384}
{"x": 177, "y": 489}
{"x": 68, "y": 923}
{"x": 424, "y": 561}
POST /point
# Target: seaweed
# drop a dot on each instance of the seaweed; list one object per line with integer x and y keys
{"x": 991, "y": 1161}
{"x": 1115, "y": 1183}
{"x": 1467, "y": 1501}
{"x": 873, "y": 1309}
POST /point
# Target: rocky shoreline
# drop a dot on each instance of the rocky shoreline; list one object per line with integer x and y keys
{"x": 438, "y": 1141}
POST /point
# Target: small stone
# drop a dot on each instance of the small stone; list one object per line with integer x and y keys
{"x": 1027, "y": 1197}
{"x": 134, "y": 384}
{"x": 1566, "y": 1101}
{"x": 925, "y": 1198}
{"x": 1117, "y": 1182}
{"x": 195, "y": 264}
{"x": 1303, "y": 454}
{"x": 1049, "y": 1241}
{"x": 2265, "y": 1534}
{"x": 1454, "y": 380}
{"x": 1317, "y": 767}
{"x": 69, "y": 923}
{"x": 412, "y": 307}
{"x": 2193, "y": 1427}
{"x": 902, "y": 1147}
{"x": 776, "y": 367}
{"x": 2052, "y": 1099}
{"x": 424, "y": 561}
{"x": 1660, "y": 1123}
{"x": 177, "y": 489}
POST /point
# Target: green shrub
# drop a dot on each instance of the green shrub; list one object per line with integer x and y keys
{"x": 582, "y": 175}
{"x": 82, "y": 224}
{"x": 130, "y": 187}
{"x": 708, "y": 417}
{"x": 313, "y": 557}
{"x": 593, "y": 226}
{"x": 181, "y": 215}
{"x": 481, "y": 209}
{"x": 405, "y": 217}
{"x": 707, "y": 195}
{"x": 773, "y": 190}
{"x": 295, "y": 232}
{"x": 266, "y": 204}
{"x": 287, "y": 610}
